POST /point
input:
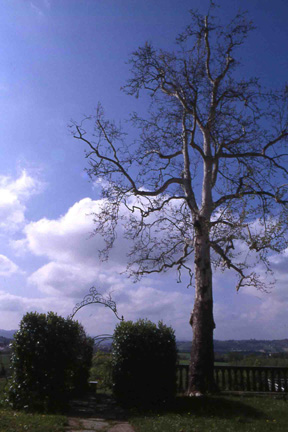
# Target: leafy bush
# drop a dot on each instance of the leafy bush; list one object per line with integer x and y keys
{"x": 51, "y": 358}
{"x": 144, "y": 359}
{"x": 101, "y": 370}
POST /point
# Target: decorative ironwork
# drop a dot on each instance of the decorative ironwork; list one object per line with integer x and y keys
{"x": 101, "y": 338}
{"x": 94, "y": 297}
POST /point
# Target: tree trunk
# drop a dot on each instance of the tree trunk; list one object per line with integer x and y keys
{"x": 201, "y": 377}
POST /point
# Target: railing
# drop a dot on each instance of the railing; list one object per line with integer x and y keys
{"x": 241, "y": 378}
{"x": 182, "y": 378}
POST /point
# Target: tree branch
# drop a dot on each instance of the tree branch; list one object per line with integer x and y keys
{"x": 116, "y": 162}
{"x": 238, "y": 195}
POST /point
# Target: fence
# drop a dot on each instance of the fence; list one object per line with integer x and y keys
{"x": 242, "y": 378}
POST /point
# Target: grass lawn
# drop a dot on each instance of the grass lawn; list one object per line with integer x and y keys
{"x": 210, "y": 414}
{"x": 17, "y": 421}
{"x": 217, "y": 414}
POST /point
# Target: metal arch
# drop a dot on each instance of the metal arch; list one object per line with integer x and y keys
{"x": 94, "y": 297}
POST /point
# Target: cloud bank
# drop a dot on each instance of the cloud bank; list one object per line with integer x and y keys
{"x": 71, "y": 266}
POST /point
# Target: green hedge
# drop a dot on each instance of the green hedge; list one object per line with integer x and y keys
{"x": 144, "y": 358}
{"x": 51, "y": 358}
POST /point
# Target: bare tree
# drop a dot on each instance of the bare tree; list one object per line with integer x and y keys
{"x": 208, "y": 168}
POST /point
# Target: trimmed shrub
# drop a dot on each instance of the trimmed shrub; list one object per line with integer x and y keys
{"x": 51, "y": 358}
{"x": 144, "y": 359}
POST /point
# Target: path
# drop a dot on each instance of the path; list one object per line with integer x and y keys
{"x": 97, "y": 413}
{"x": 97, "y": 424}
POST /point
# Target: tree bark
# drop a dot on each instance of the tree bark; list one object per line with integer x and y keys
{"x": 201, "y": 377}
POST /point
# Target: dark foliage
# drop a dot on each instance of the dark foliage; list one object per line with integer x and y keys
{"x": 144, "y": 359}
{"x": 51, "y": 357}
{"x": 2, "y": 371}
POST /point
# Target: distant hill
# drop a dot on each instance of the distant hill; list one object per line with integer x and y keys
{"x": 4, "y": 342}
{"x": 245, "y": 346}
{"x": 7, "y": 333}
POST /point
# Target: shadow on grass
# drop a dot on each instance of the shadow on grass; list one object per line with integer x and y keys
{"x": 222, "y": 407}
{"x": 100, "y": 405}
{"x": 216, "y": 406}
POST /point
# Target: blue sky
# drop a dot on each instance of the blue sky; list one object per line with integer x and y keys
{"x": 58, "y": 59}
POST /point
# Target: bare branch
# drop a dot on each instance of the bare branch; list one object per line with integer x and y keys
{"x": 121, "y": 169}
{"x": 244, "y": 280}
{"x": 241, "y": 194}
{"x": 162, "y": 156}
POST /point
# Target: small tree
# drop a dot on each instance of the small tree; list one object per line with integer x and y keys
{"x": 144, "y": 359}
{"x": 207, "y": 172}
{"x": 51, "y": 358}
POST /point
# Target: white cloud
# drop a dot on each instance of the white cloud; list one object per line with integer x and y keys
{"x": 72, "y": 251}
{"x": 13, "y": 196}
{"x": 251, "y": 313}
{"x": 57, "y": 278}
{"x": 7, "y": 267}
{"x": 67, "y": 239}
{"x": 270, "y": 314}
{"x": 172, "y": 307}
{"x": 140, "y": 301}
{"x": 133, "y": 302}
{"x": 73, "y": 266}
{"x": 13, "y": 307}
